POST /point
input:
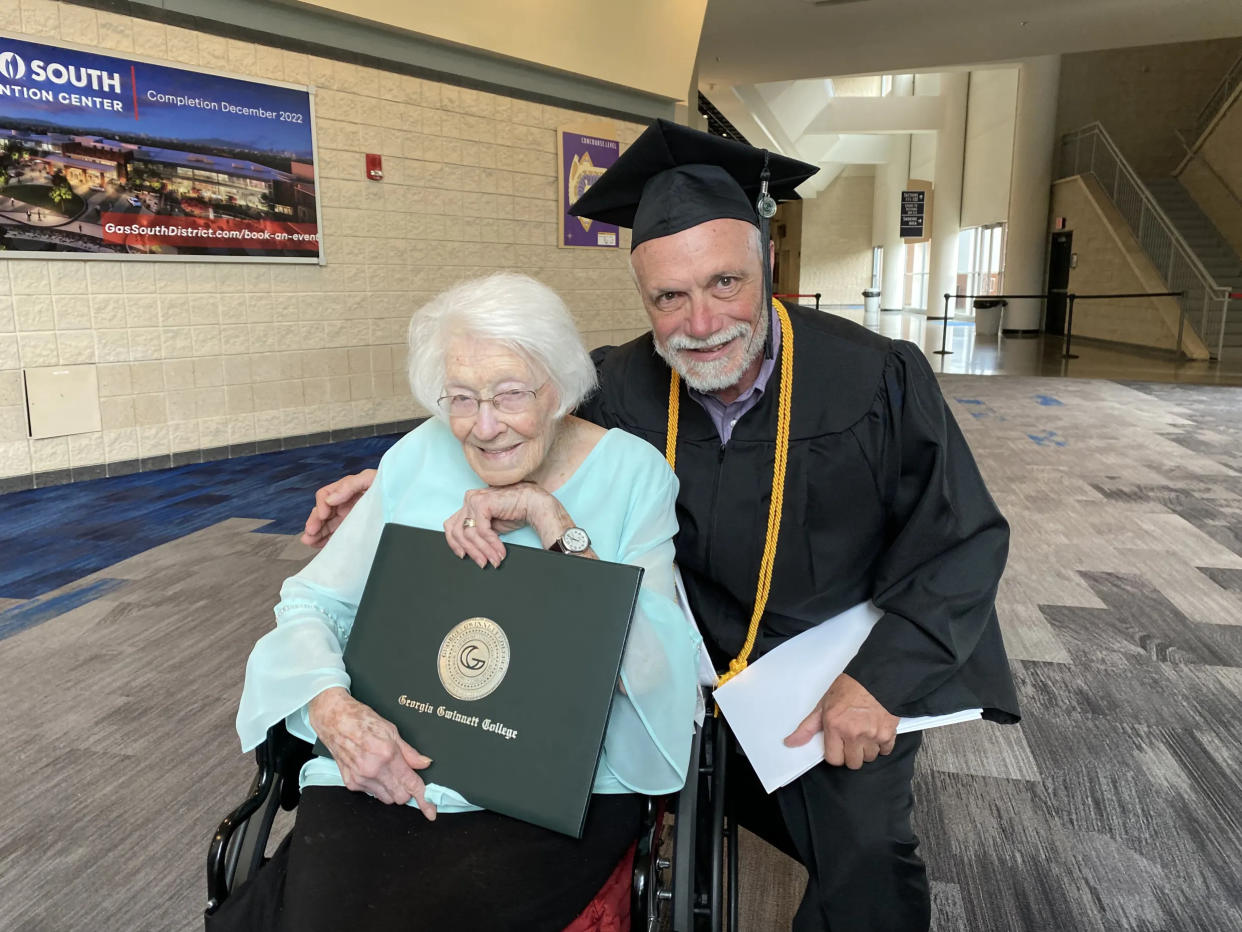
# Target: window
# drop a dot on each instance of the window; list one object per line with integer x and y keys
{"x": 877, "y": 267}
{"x": 917, "y": 257}
{"x": 886, "y": 85}
{"x": 981, "y": 258}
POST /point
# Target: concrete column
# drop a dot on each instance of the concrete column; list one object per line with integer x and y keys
{"x": 947, "y": 206}
{"x": 687, "y": 114}
{"x": 1030, "y": 191}
{"x": 890, "y": 181}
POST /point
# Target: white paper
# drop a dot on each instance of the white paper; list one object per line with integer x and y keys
{"x": 770, "y": 698}
{"x": 706, "y": 669}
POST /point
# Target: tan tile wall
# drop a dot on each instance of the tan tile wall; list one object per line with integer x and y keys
{"x": 836, "y": 240}
{"x": 199, "y": 355}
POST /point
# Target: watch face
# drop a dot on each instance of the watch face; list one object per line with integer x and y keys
{"x": 575, "y": 540}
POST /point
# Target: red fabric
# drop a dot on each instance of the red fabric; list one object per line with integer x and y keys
{"x": 610, "y": 910}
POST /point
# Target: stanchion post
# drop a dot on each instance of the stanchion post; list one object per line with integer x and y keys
{"x": 817, "y": 297}
{"x": 1069, "y": 326}
{"x": 944, "y": 330}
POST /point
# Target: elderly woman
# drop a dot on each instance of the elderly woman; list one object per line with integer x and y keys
{"x": 375, "y": 846}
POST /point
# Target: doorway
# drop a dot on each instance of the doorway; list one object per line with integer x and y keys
{"x": 1060, "y": 257}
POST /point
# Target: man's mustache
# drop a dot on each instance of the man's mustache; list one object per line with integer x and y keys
{"x": 683, "y": 342}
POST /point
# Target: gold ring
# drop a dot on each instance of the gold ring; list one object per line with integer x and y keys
{"x": 469, "y": 522}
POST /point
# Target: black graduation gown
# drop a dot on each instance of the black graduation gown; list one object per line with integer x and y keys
{"x": 883, "y": 501}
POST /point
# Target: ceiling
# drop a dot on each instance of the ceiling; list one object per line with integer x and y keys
{"x": 774, "y": 68}
{"x": 758, "y": 41}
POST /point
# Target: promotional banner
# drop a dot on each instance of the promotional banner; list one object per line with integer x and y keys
{"x": 582, "y": 157}
{"x": 106, "y": 156}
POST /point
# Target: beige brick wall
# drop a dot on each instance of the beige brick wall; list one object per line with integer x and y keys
{"x": 1111, "y": 261}
{"x": 1142, "y": 95}
{"x": 195, "y": 355}
{"x": 836, "y": 240}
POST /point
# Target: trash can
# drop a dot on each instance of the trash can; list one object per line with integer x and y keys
{"x": 871, "y": 304}
{"x": 988, "y": 316}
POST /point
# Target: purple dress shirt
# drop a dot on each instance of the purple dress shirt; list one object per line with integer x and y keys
{"x": 725, "y": 416}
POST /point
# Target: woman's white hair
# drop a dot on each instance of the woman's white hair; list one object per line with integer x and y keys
{"x": 513, "y": 310}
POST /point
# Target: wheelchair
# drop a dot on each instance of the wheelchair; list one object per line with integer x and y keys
{"x": 692, "y": 890}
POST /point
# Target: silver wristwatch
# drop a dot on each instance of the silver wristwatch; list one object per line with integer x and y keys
{"x": 574, "y": 540}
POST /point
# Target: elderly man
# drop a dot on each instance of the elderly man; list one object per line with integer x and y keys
{"x": 819, "y": 468}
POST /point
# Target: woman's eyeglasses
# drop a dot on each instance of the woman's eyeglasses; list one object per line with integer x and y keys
{"x": 511, "y": 402}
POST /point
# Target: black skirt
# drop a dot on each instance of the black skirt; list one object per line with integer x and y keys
{"x": 354, "y": 863}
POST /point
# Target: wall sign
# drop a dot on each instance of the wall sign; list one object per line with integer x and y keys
{"x": 913, "y": 213}
{"x": 121, "y": 158}
{"x": 583, "y": 153}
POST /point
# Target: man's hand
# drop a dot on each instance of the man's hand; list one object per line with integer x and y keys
{"x": 332, "y": 503}
{"x": 372, "y": 757}
{"x": 857, "y": 729}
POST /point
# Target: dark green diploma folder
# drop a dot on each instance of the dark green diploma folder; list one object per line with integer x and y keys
{"x": 522, "y": 740}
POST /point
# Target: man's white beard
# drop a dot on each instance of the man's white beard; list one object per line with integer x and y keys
{"x": 716, "y": 374}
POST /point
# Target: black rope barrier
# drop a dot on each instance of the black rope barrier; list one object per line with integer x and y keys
{"x": 944, "y": 333}
{"x": 1071, "y": 297}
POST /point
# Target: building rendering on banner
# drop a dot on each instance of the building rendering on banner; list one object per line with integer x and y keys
{"x": 111, "y": 176}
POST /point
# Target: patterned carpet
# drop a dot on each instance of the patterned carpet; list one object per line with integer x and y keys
{"x": 127, "y": 607}
{"x": 1114, "y": 805}
{"x": 55, "y": 535}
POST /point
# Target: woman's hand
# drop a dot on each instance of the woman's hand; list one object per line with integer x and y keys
{"x": 372, "y": 757}
{"x": 474, "y": 530}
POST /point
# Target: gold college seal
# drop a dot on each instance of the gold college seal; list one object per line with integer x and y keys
{"x": 474, "y": 658}
{"x": 582, "y": 174}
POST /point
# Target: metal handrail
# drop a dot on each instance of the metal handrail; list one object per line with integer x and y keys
{"x": 1231, "y": 79}
{"x": 1091, "y": 151}
{"x": 1204, "y": 131}
{"x": 1191, "y": 155}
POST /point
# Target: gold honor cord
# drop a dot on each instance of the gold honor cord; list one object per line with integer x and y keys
{"x": 738, "y": 663}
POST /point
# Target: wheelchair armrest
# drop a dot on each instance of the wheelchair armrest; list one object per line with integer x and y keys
{"x": 291, "y": 753}
{"x": 279, "y": 758}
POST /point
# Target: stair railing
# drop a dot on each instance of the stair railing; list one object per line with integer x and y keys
{"x": 1216, "y": 103}
{"x": 1192, "y": 154}
{"x": 1204, "y": 303}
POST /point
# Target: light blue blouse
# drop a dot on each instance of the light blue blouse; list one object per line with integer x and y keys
{"x": 623, "y": 494}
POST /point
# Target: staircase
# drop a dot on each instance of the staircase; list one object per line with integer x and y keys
{"x": 1198, "y": 231}
{"x": 1205, "y": 241}
{"x": 1205, "y": 298}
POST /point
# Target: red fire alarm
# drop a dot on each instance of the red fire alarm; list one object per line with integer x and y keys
{"x": 1060, "y": 223}
{"x": 375, "y": 167}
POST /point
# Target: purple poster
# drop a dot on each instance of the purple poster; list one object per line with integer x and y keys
{"x": 583, "y": 159}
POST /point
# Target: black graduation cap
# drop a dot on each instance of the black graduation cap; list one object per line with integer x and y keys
{"x": 673, "y": 178}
